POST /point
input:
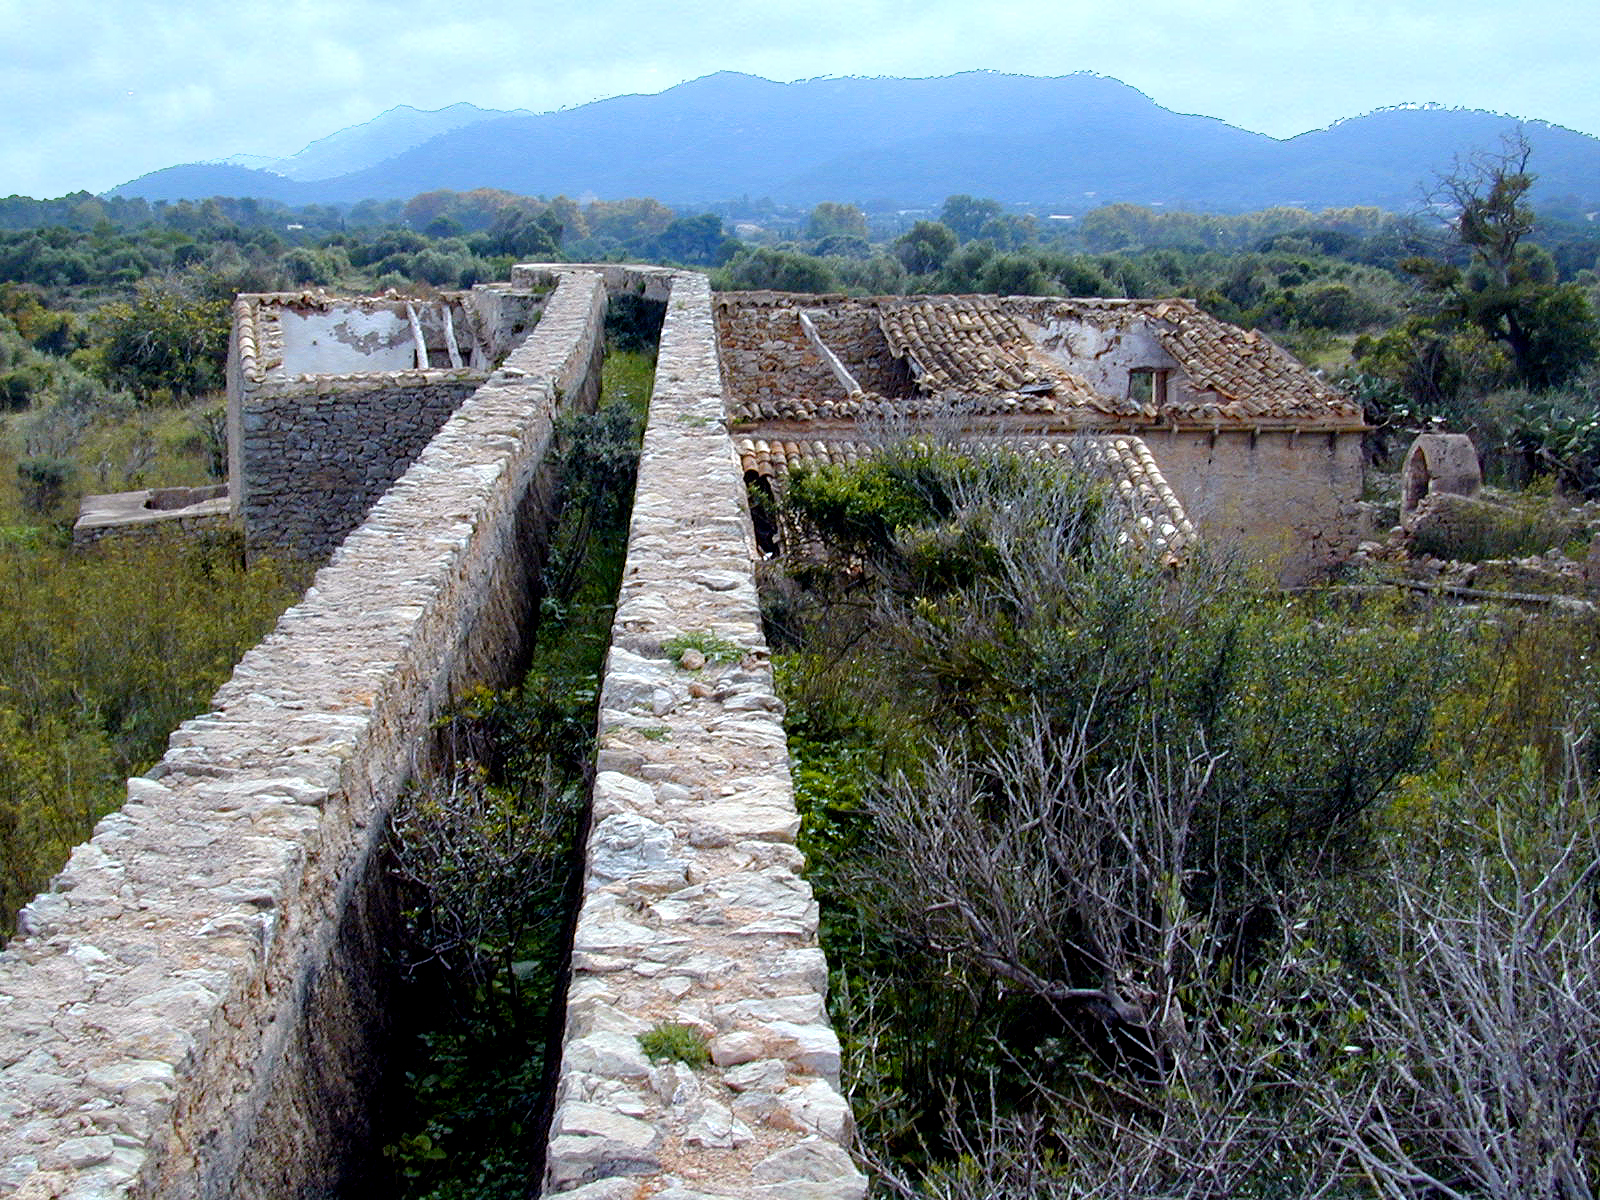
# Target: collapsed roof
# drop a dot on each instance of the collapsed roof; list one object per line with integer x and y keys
{"x": 1055, "y": 364}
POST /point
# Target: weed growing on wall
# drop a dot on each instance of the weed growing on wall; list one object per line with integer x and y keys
{"x": 670, "y": 1041}
{"x": 701, "y": 646}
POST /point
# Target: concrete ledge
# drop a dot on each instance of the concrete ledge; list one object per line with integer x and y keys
{"x": 150, "y": 510}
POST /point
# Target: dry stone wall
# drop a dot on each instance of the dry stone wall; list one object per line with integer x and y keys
{"x": 195, "y": 1009}
{"x": 694, "y": 911}
{"x": 766, "y": 362}
{"x": 309, "y": 453}
{"x": 315, "y": 461}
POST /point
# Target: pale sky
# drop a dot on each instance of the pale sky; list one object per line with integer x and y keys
{"x": 96, "y": 92}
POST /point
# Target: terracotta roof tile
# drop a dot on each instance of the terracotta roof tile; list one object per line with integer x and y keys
{"x": 970, "y": 345}
{"x": 1155, "y": 516}
{"x": 977, "y": 355}
{"x": 1237, "y": 377}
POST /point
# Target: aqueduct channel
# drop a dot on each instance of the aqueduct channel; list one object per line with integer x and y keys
{"x": 196, "y": 1008}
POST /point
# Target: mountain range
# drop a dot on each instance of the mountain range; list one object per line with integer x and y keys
{"x": 389, "y": 133}
{"x": 1068, "y": 142}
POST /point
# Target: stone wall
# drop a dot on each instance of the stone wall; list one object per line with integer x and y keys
{"x": 157, "y": 512}
{"x": 694, "y": 911}
{"x": 310, "y": 451}
{"x": 766, "y": 361}
{"x": 195, "y": 1009}
{"x": 312, "y": 462}
{"x": 1290, "y": 500}
{"x": 853, "y": 331}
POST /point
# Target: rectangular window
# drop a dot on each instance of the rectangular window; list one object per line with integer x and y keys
{"x": 1147, "y": 386}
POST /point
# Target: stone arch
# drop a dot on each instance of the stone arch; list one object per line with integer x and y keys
{"x": 1438, "y": 462}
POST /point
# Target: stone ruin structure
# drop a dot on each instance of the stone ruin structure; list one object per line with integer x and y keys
{"x": 197, "y": 1007}
{"x": 190, "y": 510}
{"x": 1193, "y": 419}
{"x": 330, "y": 399}
{"x": 1436, "y": 464}
{"x": 1456, "y": 537}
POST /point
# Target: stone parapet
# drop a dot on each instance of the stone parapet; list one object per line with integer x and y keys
{"x": 694, "y": 911}
{"x": 195, "y": 1009}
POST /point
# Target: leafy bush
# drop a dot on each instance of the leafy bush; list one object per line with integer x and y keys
{"x": 165, "y": 340}
{"x": 42, "y": 483}
{"x": 1065, "y": 811}
{"x": 779, "y": 270}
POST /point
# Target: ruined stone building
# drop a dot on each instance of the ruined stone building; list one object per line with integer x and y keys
{"x": 197, "y": 1008}
{"x": 1202, "y": 429}
{"x": 1194, "y": 420}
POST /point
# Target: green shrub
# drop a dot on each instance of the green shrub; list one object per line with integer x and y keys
{"x": 992, "y": 698}
{"x": 165, "y": 341}
{"x": 715, "y": 649}
{"x": 669, "y": 1041}
{"x": 101, "y": 655}
{"x": 42, "y": 483}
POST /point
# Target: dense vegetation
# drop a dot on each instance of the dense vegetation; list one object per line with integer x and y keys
{"x": 484, "y": 848}
{"x": 102, "y": 653}
{"x": 1146, "y": 884}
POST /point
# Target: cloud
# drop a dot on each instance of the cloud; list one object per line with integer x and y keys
{"x": 100, "y": 93}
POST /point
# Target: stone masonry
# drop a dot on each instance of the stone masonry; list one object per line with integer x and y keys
{"x": 324, "y": 413}
{"x": 194, "y": 1010}
{"x": 694, "y": 910}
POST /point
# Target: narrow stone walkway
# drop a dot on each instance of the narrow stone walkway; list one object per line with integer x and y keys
{"x": 694, "y": 910}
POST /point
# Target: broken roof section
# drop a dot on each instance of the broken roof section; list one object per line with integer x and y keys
{"x": 1154, "y": 517}
{"x": 972, "y": 346}
{"x": 1057, "y": 364}
{"x": 290, "y": 339}
{"x": 1221, "y": 374}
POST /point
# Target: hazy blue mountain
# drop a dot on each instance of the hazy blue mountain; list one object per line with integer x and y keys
{"x": 389, "y": 133}
{"x": 1071, "y": 141}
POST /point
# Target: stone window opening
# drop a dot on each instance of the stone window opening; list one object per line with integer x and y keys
{"x": 1148, "y": 385}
